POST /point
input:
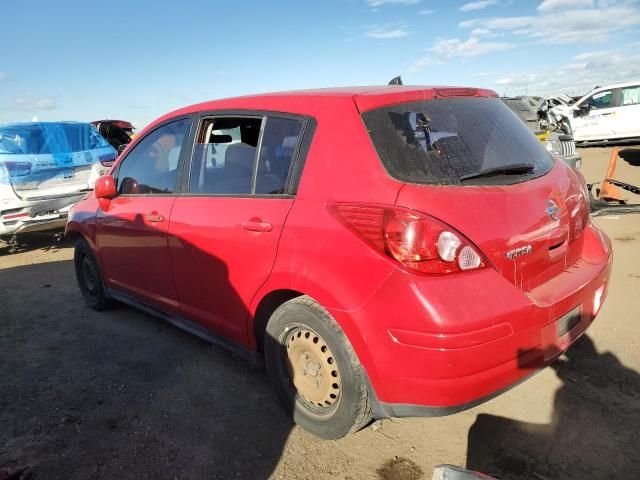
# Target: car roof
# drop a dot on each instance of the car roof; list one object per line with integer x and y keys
{"x": 364, "y": 97}
{"x": 615, "y": 85}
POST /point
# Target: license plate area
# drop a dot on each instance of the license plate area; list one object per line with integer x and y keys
{"x": 568, "y": 321}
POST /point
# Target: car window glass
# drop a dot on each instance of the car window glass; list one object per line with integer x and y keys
{"x": 630, "y": 95}
{"x": 601, "y": 99}
{"x": 279, "y": 144}
{"x": 445, "y": 141}
{"x": 152, "y": 165}
{"x": 224, "y": 156}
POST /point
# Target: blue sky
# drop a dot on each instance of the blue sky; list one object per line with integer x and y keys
{"x": 135, "y": 60}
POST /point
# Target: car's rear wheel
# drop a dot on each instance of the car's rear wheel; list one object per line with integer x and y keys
{"x": 89, "y": 277}
{"x": 315, "y": 371}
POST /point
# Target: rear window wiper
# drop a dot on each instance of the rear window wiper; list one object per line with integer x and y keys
{"x": 514, "y": 169}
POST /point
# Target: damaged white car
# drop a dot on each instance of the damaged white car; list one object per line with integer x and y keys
{"x": 608, "y": 113}
{"x": 45, "y": 167}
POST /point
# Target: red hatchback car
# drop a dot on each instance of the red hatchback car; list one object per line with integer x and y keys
{"x": 386, "y": 251}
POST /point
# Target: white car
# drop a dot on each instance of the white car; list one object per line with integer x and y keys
{"x": 45, "y": 167}
{"x": 611, "y": 112}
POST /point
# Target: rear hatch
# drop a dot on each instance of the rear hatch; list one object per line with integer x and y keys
{"x": 50, "y": 159}
{"x": 473, "y": 164}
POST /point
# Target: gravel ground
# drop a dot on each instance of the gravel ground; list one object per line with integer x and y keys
{"x": 121, "y": 394}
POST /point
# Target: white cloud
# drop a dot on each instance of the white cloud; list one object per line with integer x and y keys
{"x": 563, "y": 26}
{"x": 548, "y": 5}
{"x": 426, "y": 12}
{"x": 476, "y": 32}
{"x": 387, "y": 32}
{"x": 380, "y": 3}
{"x": 420, "y": 64}
{"x": 478, "y": 5}
{"x": 447, "y": 48}
{"x": 576, "y": 77}
{"x": 31, "y": 103}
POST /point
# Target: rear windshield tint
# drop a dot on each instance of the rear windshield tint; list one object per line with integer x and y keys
{"x": 443, "y": 141}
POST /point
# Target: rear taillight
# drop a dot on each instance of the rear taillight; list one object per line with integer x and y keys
{"x": 419, "y": 242}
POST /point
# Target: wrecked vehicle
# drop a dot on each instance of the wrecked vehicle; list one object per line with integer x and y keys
{"x": 118, "y": 133}
{"x": 609, "y": 113}
{"x": 45, "y": 167}
{"x": 557, "y": 142}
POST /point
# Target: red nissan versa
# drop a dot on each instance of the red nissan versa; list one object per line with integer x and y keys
{"x": 388, "y": 251}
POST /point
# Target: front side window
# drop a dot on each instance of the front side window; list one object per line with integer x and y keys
{"x": 152, "y": 166}
{"x": 601, "y": 100}
{"x": 456, "y": 141}
{"x": 630, "y": 96}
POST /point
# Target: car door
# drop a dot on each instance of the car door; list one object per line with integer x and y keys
{"x": 599, "y": 122}
{"x": 132, "y": 229}
{"x": 225, "y": 228}
{"x": 628, "y": 112}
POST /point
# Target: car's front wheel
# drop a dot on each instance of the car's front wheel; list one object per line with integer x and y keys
{"x": 89, "y": 277}
{"x": 315, "y": 371}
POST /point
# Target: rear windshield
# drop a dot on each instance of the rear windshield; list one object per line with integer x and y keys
{"x": 456, "y": 141}
{"x": 49, "y": 138}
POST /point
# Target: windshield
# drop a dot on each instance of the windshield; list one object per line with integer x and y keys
{"x": 49, "y": 138}
{"x": 444, "y": 141}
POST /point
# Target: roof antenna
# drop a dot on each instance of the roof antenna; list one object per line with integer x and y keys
{"x": 396, "y": 81}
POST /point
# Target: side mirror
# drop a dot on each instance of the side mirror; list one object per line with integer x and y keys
{"x": 105, "y": 187}
{"x": 582, "y": 110}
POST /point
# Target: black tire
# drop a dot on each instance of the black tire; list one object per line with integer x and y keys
{"x": 350, "y": 411}
{"x": 89, "y": 277}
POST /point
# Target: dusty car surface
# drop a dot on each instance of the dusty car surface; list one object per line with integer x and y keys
{"x": 556, "y": 142}
{"x": 45, "y": 167}
{"x": 387, "y": 251}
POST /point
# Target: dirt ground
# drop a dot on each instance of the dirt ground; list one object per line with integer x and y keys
{"x": 121, "y": 394}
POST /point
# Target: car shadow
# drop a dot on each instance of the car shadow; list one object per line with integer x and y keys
{"x": 35, "y": 241}
{"x": 594, "y": 431}
{"x": 123, "y": 394}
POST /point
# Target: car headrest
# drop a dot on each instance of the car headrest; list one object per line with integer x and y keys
{"x": 238, "y": 160}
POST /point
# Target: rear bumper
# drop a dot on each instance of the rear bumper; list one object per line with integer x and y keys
{"x": 442, "y": 345}
{"x": 27, "y": 216}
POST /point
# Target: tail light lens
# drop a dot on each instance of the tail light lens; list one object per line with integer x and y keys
{"x": 419, "y": 242}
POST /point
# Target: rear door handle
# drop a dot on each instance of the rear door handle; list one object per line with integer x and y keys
{"x": 608, "y": 113}
{"x": 154, "y": 217}
{"x": 257, "y": 226}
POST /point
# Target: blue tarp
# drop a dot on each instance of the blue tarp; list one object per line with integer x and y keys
{"x": 49, "y": 154}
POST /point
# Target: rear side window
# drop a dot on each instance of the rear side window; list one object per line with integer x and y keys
{"x": 279, "y": 145}
{"x": 224, "y": 155}
{"x": 244, "y": 155}
{"x": 630, "y": 96}
{"x": 447, "y": 141}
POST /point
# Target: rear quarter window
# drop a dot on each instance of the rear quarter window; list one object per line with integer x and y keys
{"x": 442, "y": 141}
